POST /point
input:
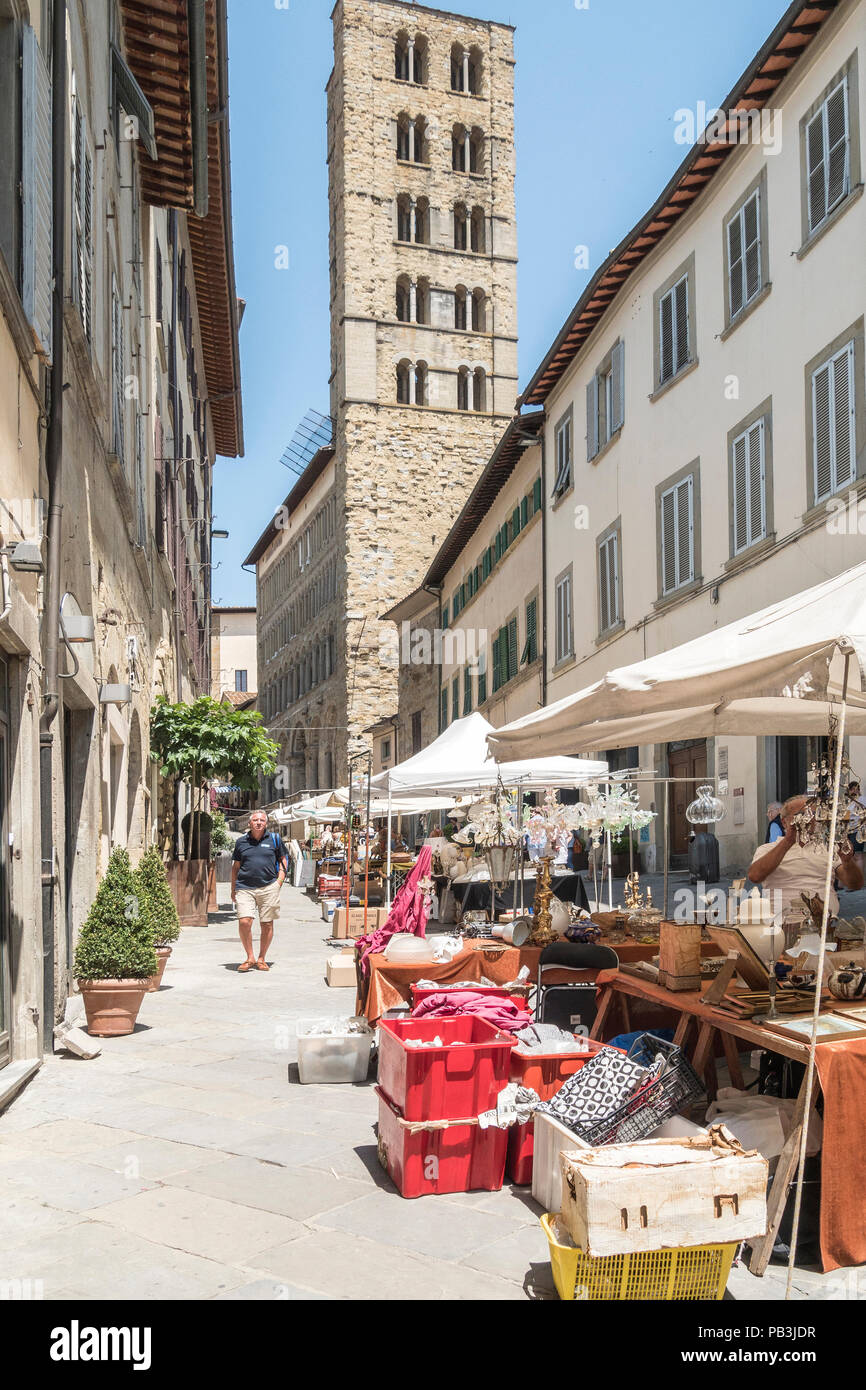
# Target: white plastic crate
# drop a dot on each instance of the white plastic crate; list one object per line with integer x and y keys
{"x": 333, "y": 1059}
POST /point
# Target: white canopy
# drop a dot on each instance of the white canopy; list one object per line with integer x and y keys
{"x": 459, "y": 761}
{"x": 778, "y": 671}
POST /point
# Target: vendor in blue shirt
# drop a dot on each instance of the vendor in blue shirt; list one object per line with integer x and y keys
{"x": 259, "y": 866}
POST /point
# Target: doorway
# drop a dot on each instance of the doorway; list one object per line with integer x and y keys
{"x": 687, "y": 760}
{"x": 5, "y": 962}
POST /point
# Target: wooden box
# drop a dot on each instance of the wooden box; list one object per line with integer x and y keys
{"x": 349, "y": 922}
{"x": 662, "y": 1194}
{"x": 680, "y": 955}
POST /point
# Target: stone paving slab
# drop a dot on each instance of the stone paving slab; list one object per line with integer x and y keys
{"x": 187, "y": 1162}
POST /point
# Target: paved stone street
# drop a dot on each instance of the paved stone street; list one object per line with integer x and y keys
{"x": 186, "y": 1162}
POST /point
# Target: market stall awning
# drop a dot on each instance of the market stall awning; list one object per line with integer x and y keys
{"x": 459, "y": 762}
{"x": 777, "y": 671}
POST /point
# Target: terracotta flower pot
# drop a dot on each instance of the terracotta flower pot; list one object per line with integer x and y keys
{"x": 112, "y": 1006}
{"x": 162, "y": 955}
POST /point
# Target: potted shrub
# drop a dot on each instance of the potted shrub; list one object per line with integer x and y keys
{"x": 115, "y": 958}
{"x": 198, "y": 744}
{"x": 155, "y": 898}
{"x": 620, "y": 861}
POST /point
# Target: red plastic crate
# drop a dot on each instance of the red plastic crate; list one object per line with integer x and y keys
{"x": 447, "y": 1083}
{"x": 521, "y": 1147}
{"x": 462, "y": 1158}
{"x": 545, "y": 1073}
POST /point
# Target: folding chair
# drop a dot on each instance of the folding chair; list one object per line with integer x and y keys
{"x": 570, "y": 1002}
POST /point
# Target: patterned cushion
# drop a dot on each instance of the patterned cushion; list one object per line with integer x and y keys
{"x": 605, "y": 1083}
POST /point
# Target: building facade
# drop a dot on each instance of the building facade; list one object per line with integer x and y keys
{"x": 234, "y": 652}
{"x": 706, "y": 406}
{"x": 113, "y": 482}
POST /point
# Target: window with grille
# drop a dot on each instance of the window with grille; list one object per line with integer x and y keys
{"x": 749, "y": 487}
{"x": 673, "y": 329}
{"x": 828, "y": 156}
{"x": 564, "y": 619}
{"x": 677, "y": 535}
{"x": 833, "y": 424}
{"x": 563, "y": 457}
{"x": 608, "y": 582}
{"x": 744, "y": 254}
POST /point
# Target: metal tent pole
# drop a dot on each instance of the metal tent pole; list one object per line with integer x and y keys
{"x": 666, "y": 846}
{"x": 388, "y": 851}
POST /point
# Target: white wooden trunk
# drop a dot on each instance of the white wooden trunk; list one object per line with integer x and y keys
{"x": 661, "y": 1195}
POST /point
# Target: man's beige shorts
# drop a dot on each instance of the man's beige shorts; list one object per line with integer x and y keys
{"x": 266, "y": 900}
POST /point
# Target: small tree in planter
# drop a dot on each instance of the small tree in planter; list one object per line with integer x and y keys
{"x": 200, "y": 743}
{"x": 115, "y": 957}
{"x": 155, "y": 896}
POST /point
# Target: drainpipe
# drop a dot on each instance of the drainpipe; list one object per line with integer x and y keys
{"x": 195, "y": 10}
{"x": 174, "y": 390}
{"x": 54, "y": 470}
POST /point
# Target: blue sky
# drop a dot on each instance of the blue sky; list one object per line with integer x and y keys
{"x": 597, "y": 89}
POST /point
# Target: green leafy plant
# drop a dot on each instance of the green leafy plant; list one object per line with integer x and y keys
{"x": 155, "y": 896}
{"x": 205, "y": 741}
{"x": 116, "y": 941}
{"x": 220, "y": 839}
{"x": 619, "y": 842}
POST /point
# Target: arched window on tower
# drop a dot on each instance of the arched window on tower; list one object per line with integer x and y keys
{"x": 479, "y": 311}
{"x": 403, "y": 378}
{"x": 479, "y": 389}
{"x": 421, "y": 384}
{"x": 411, "y": 139}
{"x": 422, "y": 301}
{"x": 422, "y": 222}
{"x": 461, "y": 311}
{"x": 478, "y": 239}
{"x": 463, "y": 390}
{"x": 404, "y": 217}
{"x": 461, "y": 227}
{"x": 403, "y": 299}
{"x": 401, "y": 58}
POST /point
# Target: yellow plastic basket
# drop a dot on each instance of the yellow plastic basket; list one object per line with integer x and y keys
{"x": 698, "y": 1273}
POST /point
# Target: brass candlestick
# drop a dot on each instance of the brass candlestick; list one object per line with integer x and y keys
{"x": 542, "y": 933}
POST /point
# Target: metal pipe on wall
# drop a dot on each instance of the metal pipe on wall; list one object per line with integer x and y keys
{"x": 54, "y": 470}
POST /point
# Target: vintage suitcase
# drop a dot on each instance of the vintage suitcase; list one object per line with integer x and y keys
{"x": 664, "y": 1194}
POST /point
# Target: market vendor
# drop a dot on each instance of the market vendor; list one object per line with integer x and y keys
{"x": 790, "y": 869}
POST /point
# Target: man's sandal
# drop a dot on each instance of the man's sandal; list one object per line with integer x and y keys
{"x": 247, "y": 966}
{"x": 262, "y": 965}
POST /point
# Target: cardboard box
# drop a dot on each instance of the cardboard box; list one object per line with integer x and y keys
{"x": 349, "y": 922}
{"x": 341, "y": 972}
{"x": 663, "y": 1194}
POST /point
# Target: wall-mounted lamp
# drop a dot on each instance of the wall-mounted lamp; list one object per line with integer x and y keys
{"x": 219, "y": 535}
{"x": 77, "y": 627}
{"x": 115, "y": 694}
{"x": 26, "y": 557}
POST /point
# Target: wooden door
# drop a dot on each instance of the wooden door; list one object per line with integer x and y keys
{"x": 689, "y": 762}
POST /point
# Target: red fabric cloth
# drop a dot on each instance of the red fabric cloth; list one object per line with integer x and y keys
{"x": 505, "y": 1014}
{"x": 408, "y": 912}
{"x": 842, "y": 1070}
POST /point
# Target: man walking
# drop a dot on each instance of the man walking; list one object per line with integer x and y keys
{"x": 258, "y": 873}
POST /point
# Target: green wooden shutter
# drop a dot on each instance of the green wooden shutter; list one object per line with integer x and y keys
{"x": 524, "y": 512}
{"x": 444, "y": 616}
{"x": 455, "y": 698}
{"x": 443, "y": 714}
{"x": 497, "y": 669}
{"x": 515, "y": 521}
{"x": 467, "y": 691}
{"x": 482, "y": 677}
{"x": 512, "y": 648}
{"x": 530, "y": 650}
{"x": 536, "y": 495}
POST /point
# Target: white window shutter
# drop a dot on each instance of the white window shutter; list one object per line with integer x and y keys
{"x": 669, "y": 541}
{"x": 836, "y": 125}
{"x": 816, "y": 172}
{"x": 37, "y": 239}
{"x": 666, "y": 338}
{"x": 685, "y": 495}
{"x": 740, "y": 495}
{"x": 617, "y": 388}
{"x": 683, "y": 353}
{"x": 603, "y": 587}
{"x": 757, "y": 492}
{"x": 613, "y": 546}
{"x": 822, "y": 438}
{"x": 592, "y": 419}
{"x": 843, "y": 417}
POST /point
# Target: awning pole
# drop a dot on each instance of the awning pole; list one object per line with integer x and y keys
{"x": 819, "y": 979}
{"x": 665, "y": 846}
